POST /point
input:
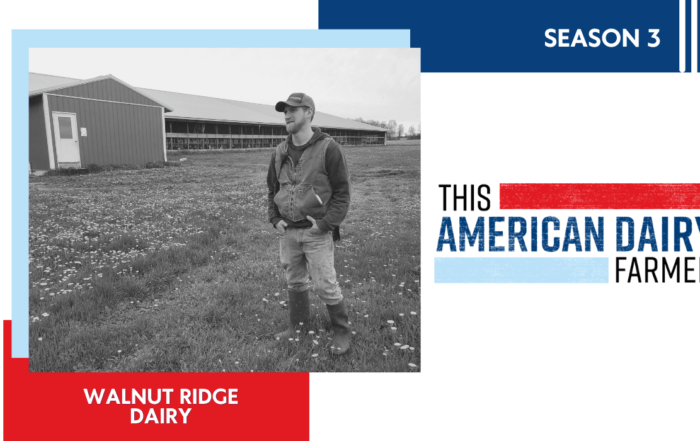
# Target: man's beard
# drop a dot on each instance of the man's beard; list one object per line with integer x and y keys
{"x": 293, "y": 128}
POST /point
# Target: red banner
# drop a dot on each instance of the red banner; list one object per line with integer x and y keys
{"x": 600, "y": 196}
{"x": 237, "y": 405}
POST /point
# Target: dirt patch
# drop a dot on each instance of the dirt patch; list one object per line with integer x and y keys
{"x": 378, "y": 173}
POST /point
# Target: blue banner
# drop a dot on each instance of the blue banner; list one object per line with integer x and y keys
{"x": 543, "y": 36}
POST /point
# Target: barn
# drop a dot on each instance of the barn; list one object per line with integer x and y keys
{"x": 99, "y": 121}
{"x": 104, "y": 121}
{"x": 199, "y": 122}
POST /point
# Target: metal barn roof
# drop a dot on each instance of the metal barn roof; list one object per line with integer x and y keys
{"x": 39, "y": 82}
{"x": 196, "y": 107}
{"x": 65, "y": 85}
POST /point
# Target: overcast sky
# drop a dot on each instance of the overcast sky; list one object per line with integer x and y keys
{"x": 380, "y": 84}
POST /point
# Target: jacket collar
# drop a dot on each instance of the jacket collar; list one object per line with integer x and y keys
{"x": 318, "y": 135}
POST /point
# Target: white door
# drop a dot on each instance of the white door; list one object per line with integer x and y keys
{"x": 65, "y": 129}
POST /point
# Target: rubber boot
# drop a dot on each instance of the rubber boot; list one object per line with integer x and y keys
{"x": 341, "y": 328}
{"x": 298, "y": 313}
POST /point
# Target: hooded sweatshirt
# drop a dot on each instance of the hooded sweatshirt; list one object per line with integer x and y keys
{"x": 337, "y": 170}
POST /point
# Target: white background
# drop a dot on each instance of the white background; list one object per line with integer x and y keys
{"x": 559, "y": 361}
{"x": 499, "y": 362}
{"x": 543, "y": 362}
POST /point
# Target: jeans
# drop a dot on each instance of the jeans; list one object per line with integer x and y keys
{"x": 305, "y": 254}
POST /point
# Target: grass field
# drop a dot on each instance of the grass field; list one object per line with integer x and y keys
{"x": 403, "y": 142}
{"x": 177, "y": 269}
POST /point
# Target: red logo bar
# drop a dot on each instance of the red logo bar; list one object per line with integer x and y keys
{"x": 600, "y": 196}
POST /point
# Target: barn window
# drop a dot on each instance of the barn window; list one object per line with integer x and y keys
{"x": 64, "y": 127}
{"x": 209, "y": 128}
{"x": 178, "y": 127}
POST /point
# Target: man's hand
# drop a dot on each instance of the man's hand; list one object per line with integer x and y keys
{"x": 314, "y": 228}
{"x": 281, "y": 226}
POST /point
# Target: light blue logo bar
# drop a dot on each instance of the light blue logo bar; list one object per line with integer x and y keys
{"x": 521, "y": 270}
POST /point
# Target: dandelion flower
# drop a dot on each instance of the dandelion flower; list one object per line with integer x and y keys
{"x": 40, "y": 338}
{"x": 414, "y": 313}
{"x": 46, "y": 314}
{"x": 412, "y": 365}
{"x": 311, "y": 332}
{"x": 397, "y": 344}
{"x": 404, "y": 347}
{"x": 391, "y": 322}
{"x": 314, "y": 355}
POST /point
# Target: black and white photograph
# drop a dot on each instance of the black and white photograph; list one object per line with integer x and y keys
{"x": 224, "y": 210}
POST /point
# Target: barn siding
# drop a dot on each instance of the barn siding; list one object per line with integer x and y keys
{"x": 106, "y": 89}
{"x": 38, "y": 147}
{"x": 117, "y": 133}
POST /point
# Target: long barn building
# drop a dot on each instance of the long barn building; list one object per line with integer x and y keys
{"x": 105, "y": 121}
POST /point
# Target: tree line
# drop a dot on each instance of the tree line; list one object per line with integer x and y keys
{"x": 392, "y": 129}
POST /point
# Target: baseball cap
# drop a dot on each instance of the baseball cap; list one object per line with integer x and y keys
{"x": 296, "y": 100}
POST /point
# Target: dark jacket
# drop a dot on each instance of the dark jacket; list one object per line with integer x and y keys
{"x": 317, "y": 185}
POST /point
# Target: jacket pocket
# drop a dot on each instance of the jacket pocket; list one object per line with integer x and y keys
{"x": 310, "y": 203}
{"x": 282, "y": 201}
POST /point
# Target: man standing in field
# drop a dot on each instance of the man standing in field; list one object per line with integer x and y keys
{"x": 308, "y": 198}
